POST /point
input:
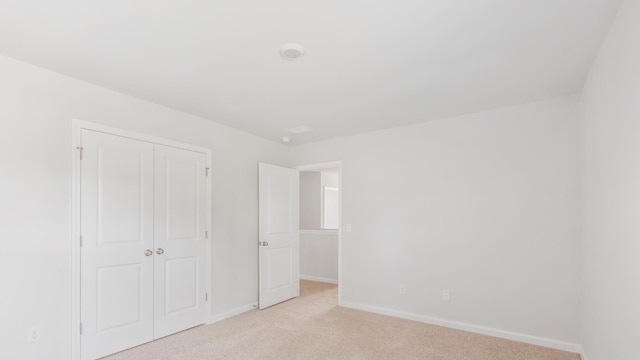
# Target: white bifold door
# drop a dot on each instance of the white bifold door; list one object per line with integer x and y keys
{"x": 279, "y": 234}
{"x": 143, "y": 228}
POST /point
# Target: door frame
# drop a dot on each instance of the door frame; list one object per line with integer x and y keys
{"x": 76, "y": 129}
{"x": 332, "y": 165}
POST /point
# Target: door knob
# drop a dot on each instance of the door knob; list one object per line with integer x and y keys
{"x": 148, "y": 252}
{"x": 265, "y": 243}
{"x": 159, "y": 251}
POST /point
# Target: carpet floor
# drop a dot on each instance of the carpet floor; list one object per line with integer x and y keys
{"x": 314, "y": 327}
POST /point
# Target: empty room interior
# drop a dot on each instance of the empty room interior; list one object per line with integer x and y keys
{"x": 338, "y": 179}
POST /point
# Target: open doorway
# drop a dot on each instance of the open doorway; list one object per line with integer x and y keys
{"x": 320, "y": 222}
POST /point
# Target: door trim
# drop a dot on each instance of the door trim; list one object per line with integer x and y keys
{"x": 76, "y": 128}
{"x": 332, "y": 165}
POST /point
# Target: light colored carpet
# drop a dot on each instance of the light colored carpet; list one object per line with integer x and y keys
{"x": 314, "y": 327}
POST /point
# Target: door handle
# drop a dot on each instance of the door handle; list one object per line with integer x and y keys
{"x": 160, "y": 251}
{"x": 148, "y": 252}
{"x": 265, "y": 243}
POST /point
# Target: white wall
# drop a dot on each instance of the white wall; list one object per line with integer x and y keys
{"x": 485, "y": 205}
{"x": 319, "y": 255}
{"x": 310, "y": 200}
{"x": 610, "y": 107}
{"x": 36, "y": 108}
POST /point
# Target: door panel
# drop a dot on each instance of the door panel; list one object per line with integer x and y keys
{"x": 182, "y": 196}
{"x": 180, "y": 224}
{"x": 279, "y": 267}
{"x": 181, "y": 277}
{"x": 279, "y": 204}
{"x": 119, "y": 296}
{"x": 117, "y": 227}
{"x": 120, "y": 176}
{"x": 279, "y": 234}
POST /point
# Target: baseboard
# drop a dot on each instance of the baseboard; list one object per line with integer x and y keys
{"x": 232, "y": 313}
{"x": 509, "y": 335}
{"x": 318, "y": 279}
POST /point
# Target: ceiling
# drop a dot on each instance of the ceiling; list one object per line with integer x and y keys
{"x": 369, "y": 64}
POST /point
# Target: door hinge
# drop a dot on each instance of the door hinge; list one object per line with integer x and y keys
{"x": 81, "y": 151}
{"x": 80, "y": 327}
{"x": 206, "y": 171}
{"x": 81, "y": 243}
{"x": 206, "y": 296}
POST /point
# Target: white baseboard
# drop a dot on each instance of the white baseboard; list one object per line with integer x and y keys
{"x": 232, "y": 313}
{"x": 509, "y": 335}
{"x": 318, "y": 279}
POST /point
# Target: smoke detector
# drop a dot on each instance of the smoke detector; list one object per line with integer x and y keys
{"x": 292, "y": 51}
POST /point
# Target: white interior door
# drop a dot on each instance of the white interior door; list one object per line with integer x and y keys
{"x": 180, "y": 225}
{"x": 279, "y": 234}
{"x": 117, "y": 239}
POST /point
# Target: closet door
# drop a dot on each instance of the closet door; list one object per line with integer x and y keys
{"x": 117, "y": 239}
{"x": 180, "y": 224}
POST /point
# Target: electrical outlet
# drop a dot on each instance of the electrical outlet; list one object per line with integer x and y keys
{"x": 446, "y": 296}
{"x": 403, "y": 289}
{"x": 33, "y": 334}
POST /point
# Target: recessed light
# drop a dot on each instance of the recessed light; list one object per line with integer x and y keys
{"x": 286, "y": 139}
{"x": 299, "y": 130}
{"x": 291, "y": 51}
